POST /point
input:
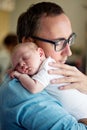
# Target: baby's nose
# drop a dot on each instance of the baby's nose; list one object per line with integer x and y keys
{"x": 22, "y": 64}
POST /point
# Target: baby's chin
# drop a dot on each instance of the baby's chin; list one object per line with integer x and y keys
{"x": 31, "y": 73}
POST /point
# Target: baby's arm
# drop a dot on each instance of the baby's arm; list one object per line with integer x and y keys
{"x": 30, "y": 84}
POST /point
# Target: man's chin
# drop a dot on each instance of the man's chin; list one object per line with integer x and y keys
{"x": 63, "y": 62}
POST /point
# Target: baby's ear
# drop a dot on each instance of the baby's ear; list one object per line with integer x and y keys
{"x": 41, "y": 52}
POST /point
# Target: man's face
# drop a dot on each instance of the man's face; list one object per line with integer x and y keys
{"x": 52, "y": 28}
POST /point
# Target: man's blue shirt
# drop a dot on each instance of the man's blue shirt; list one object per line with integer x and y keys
{"x": 20, "y": 110}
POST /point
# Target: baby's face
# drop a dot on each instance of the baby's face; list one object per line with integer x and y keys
{"x": 26, "y": 61}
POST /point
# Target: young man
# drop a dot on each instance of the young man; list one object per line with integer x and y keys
{"x": 46, "y": 24}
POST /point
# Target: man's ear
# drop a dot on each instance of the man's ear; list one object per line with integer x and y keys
{"x": 24, "y": 40}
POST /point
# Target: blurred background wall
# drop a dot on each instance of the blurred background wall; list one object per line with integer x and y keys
{"x": 76, "y": 11}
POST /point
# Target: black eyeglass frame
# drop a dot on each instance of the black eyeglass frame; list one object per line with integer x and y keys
{"x": 55, "y": 42}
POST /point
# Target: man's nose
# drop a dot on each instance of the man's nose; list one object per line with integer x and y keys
{"x": 67, "y": 51}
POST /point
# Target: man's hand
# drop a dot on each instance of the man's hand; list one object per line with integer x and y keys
{"x": 71, "y": 74}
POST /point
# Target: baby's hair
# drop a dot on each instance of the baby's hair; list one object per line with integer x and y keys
{"x": 30, "y": 45}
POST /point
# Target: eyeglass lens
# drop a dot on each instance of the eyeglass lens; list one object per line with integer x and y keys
{"x": 61, "y": 44}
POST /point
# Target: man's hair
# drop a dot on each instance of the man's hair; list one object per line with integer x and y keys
{"x": 29, "y": 21}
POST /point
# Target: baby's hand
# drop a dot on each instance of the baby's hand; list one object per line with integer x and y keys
{"x": 14, "y": 74}
{"x": 10, "y": 72}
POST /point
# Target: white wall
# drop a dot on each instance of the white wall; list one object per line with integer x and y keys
{"x": 73, "y": 8}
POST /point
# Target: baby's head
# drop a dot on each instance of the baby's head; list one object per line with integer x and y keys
{"x": 27, "y": 58}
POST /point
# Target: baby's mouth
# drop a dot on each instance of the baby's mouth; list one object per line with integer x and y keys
{"x": 25, "y": 70}
{"x": 29, "y": 68}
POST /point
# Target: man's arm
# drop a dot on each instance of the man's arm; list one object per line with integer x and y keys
{"x": 23, "y": 110}
{"x": 45, "y": 113}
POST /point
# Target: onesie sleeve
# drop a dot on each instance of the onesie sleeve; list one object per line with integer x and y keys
{"x": 43, "y": 76}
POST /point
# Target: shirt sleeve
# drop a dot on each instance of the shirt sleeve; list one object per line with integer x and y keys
{"x": 43, "y": 112}
{"x": 43, "y": 76}
{"x": 23, "y": 110}
{"x": 50, "y": 116}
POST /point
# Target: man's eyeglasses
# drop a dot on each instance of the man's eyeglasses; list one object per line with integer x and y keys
{"x": 60, "y": 43}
